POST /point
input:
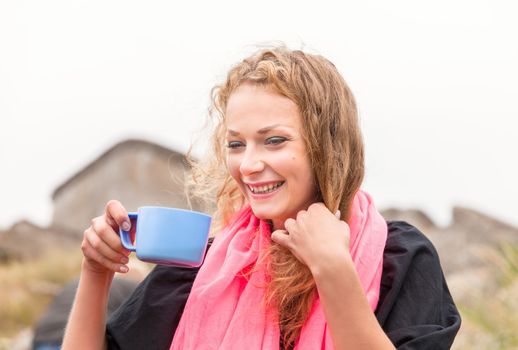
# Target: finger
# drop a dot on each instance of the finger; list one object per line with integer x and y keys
{"x": 317, "y": 206}
{"x": 91, "y": 253}
{"x": 116, "y": 238}
{"x": 281, "y": 237}
{"x": 301, "y": 214}
{"x": 108, "y": 235}
{"x": 102, "y": 248}
{"x": 116, "y": 213}
{"x": 290, "y": 224}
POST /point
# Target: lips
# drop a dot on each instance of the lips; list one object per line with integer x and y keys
{"x": 264, "y": 188}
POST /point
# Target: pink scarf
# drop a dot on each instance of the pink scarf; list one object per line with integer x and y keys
{"x": 224, "y": 309}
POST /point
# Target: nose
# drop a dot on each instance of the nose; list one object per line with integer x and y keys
{"x": 251, "y": 162}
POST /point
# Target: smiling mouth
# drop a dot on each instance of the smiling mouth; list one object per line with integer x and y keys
{"x": 266, "y": 188}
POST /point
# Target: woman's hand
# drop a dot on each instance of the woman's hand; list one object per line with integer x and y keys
{"x": 102, "y": 248}
{"x": 316, "y": 237}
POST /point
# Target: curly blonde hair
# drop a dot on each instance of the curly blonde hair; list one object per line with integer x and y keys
{"x": 335, "y": 147}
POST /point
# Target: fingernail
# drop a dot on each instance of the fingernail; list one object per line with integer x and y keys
{"x": 124, "y": 260}
{"x": 126, "y": 226}
{"x": 123, "y": 269}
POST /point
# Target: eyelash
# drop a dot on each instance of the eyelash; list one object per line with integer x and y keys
{"x": 275, "y": 140}
{"x": 233, "y": 144}
{"x": 272, "y": 141}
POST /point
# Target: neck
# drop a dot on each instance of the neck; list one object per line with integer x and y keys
{"x": 276, "y": 224}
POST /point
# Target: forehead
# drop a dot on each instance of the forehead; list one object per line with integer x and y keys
{"x": 257, "y": 106}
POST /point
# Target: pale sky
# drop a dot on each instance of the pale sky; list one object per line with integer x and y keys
{"x": 436, "y": 83}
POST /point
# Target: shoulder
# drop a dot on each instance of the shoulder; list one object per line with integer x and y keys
{"x": 409, "y": 258}
{"x": 403, "y": 237}
{"x": 415, "y": 308}
{"x": 407, "y": 249}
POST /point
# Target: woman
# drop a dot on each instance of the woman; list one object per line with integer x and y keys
{"x": 302, "y": 260}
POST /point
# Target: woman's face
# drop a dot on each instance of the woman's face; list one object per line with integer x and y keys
{"x": 266, "y": 153}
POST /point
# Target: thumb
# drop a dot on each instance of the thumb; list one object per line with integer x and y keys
{"x": 281, "y": 237}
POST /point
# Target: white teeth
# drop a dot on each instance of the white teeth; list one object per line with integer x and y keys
{"x": 265, "y": 189}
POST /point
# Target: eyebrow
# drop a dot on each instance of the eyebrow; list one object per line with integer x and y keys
{"x": 260, "y": 131}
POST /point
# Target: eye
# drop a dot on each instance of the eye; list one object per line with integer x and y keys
{"x": 234, "y": 144}
{"x": 275, "y": 140}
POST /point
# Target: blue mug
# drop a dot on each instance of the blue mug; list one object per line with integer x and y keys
{"x": 168, "y": 236}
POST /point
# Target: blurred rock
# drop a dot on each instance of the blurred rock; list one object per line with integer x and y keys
{"x": 470, "y": 233}
{"x": 25, "y": 240}
{"x": 481, "y": 227}
{"x": 459, "y": 244}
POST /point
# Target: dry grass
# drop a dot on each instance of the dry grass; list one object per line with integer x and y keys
{"x": 490, "y": 321}
{"x": 28, "y": 287}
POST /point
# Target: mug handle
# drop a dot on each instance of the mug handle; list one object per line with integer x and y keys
{"x": 125, "y": 235}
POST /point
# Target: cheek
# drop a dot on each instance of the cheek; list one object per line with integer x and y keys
{"x": 233, "y": 164}
{"x": 296, "y": 166}
{"x": 302, "y": 172}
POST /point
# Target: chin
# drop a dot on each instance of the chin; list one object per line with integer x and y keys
{"x": 264, "y": 213}
{"x": 271, "y": 215}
